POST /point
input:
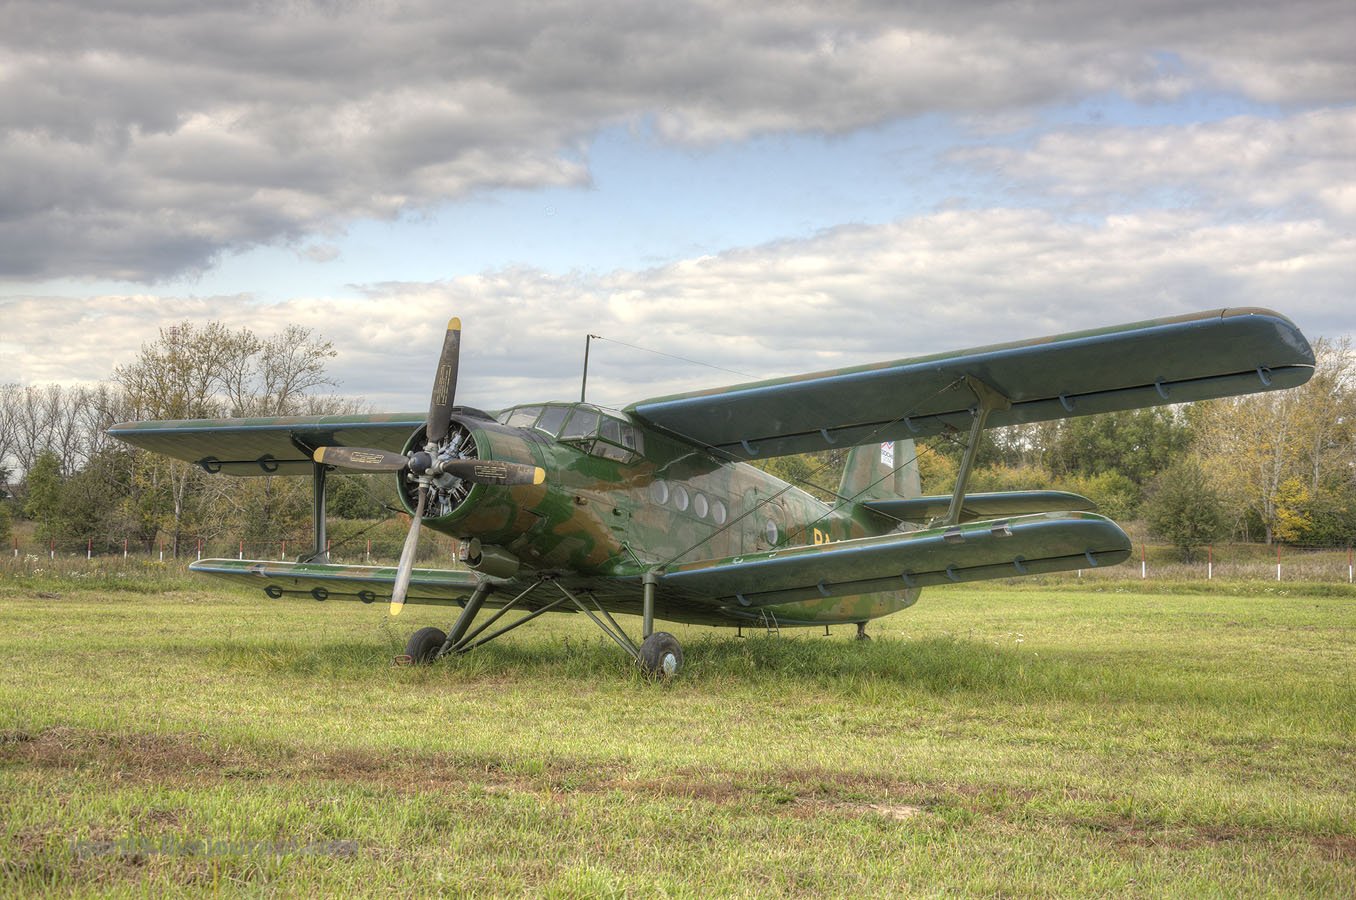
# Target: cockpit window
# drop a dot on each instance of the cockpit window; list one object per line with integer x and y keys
{"x": 552, "y": 418}
{"x": 523, "y": 416}
{"x": 583, "y": 424}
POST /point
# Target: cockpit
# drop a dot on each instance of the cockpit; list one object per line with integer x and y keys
{"x": 589, "y": 427}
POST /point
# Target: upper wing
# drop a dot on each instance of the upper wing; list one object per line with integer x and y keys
{"x": 1045, "y": 542}
{"x": 1195, "y": 357}
{"x": 273, "y": 445}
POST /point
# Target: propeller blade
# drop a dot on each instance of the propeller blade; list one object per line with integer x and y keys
{"x": 402, "y": 582}
{"x": 488, "y": 471}
{"x": 360, "y": 459}
{"x": 444, "y": 384}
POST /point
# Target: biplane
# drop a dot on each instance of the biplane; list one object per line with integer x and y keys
{"x": 655, "y": 510}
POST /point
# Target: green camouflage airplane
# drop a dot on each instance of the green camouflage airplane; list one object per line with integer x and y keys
{"x": 654, "y": 510}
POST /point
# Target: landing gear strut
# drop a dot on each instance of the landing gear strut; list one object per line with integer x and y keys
{"x": 659, "y": 654}
{"x": 861, "y": 632}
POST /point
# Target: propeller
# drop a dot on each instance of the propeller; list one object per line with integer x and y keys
{"x": 436, "y": 465}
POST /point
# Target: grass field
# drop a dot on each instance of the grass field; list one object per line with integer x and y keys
{"x": 162, "y": 735}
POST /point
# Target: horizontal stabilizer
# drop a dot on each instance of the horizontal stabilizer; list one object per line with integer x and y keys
{"x": 982, "y": 505}
{"x": 1005, "y": 548}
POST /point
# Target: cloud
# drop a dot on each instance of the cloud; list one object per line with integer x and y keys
{"x": 849, "y": 295}
{"x": 143, "y": 141}
{"x": 1300, "y": 165}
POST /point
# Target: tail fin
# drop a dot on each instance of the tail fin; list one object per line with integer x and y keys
{"x": 887, "y": 471}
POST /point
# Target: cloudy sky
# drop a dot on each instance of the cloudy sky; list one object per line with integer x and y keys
{"x": 765, "y": 190}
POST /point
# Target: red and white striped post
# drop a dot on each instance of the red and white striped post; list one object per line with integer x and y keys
{"x": 284, "y": 551}
{"x": 89, "y": 548}
{"x": 1278, "y": 562}
{"x": 1209, "y": 562}
{"x": 242, "y": 550}
{"x": 367, "y": 554}
{"x": 162, "y": 551}
{"x": 51, "y": 548}
{"x": 1143, "y": 562}
{"x": 199, "y": 548}
{"x": 1349, "y": 571}
{"x": 124, "y": 548}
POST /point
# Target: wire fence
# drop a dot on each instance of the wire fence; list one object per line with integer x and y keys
{"x": 381, "y": 547}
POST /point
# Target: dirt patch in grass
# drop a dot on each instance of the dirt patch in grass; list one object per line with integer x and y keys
{"x": 195, "y": 759}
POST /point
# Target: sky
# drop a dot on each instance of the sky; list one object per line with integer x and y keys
{"x": 762, "y": 190}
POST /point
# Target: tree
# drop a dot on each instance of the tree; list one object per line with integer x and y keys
{"x": 193, "y": 372}
{"x": 1137, "y": 443}
{"x": 1183, "y": 509}
{"x": 43, "y": 494}
{"x": 1273, "y": 455}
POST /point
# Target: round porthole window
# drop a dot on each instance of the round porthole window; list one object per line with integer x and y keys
{"x": 680, "y": 497}
{"x": 700, "y": 506}
{"x": 770, "y": 530}
{"x": 659, "y": 491}
{"x": 718, "y": 512}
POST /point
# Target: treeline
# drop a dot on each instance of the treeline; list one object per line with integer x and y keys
{"x": 1266, "y": 467}
{"x": 59, "y": 468}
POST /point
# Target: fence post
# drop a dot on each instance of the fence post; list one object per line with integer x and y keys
{"x": 124, "y": 548}
{"x": 1278, "y": 561}
{"x": 89, "y": 548}
{"x": 367, "y": 554}
{"x": 1143, "y": 562}
{"x": 162, "y": 551}
{"x": 242, "y": 549}
{"x": 1209, "y": 562}
{"x": 1348, "y": 564}
{"x": 51, "y": 548}
{"x": 284, "y": 551}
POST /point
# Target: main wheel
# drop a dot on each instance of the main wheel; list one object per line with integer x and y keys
{"x": 423, "y": 646}
{"x": 661, "y": 656}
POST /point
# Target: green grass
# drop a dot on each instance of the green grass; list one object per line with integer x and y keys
{"x": 1000, "y": 739}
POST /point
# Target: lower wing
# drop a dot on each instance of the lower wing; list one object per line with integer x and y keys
{"x": 998, "y": 548}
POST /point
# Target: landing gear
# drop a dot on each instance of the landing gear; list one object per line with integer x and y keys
{"x": 423, "y": 646}
{"x": 861, "y": 632}
{"x": 660, "y": 655}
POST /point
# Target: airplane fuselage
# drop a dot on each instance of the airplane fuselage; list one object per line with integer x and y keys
{"x": 620, "y": 499}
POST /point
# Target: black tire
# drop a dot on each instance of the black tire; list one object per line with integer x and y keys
{"x": 661, "y": 656}
{"x": 423, "y": 646}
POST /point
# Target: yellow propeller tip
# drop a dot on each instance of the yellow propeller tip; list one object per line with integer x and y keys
{"x": 538, "y": 475}
{"x": 319, "y": 454}
{"x": 454, "y": 324}
{"x": 396, "y": 608}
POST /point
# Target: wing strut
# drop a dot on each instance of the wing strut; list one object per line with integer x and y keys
{"x": 989, "y": 400}
{"x": 320, "y": 553}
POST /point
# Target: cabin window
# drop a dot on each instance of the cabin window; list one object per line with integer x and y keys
{"x": 680, "y": 497}
{"x": 718, "y": 512}
{"x": 523, "y": 416}
{"x": 659, "y": 491}
{"x": 583, "y": 424}
{"x": 770, "y": 532}
{"x": 700, "y": 505}
{"x": 552, "y": 419}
